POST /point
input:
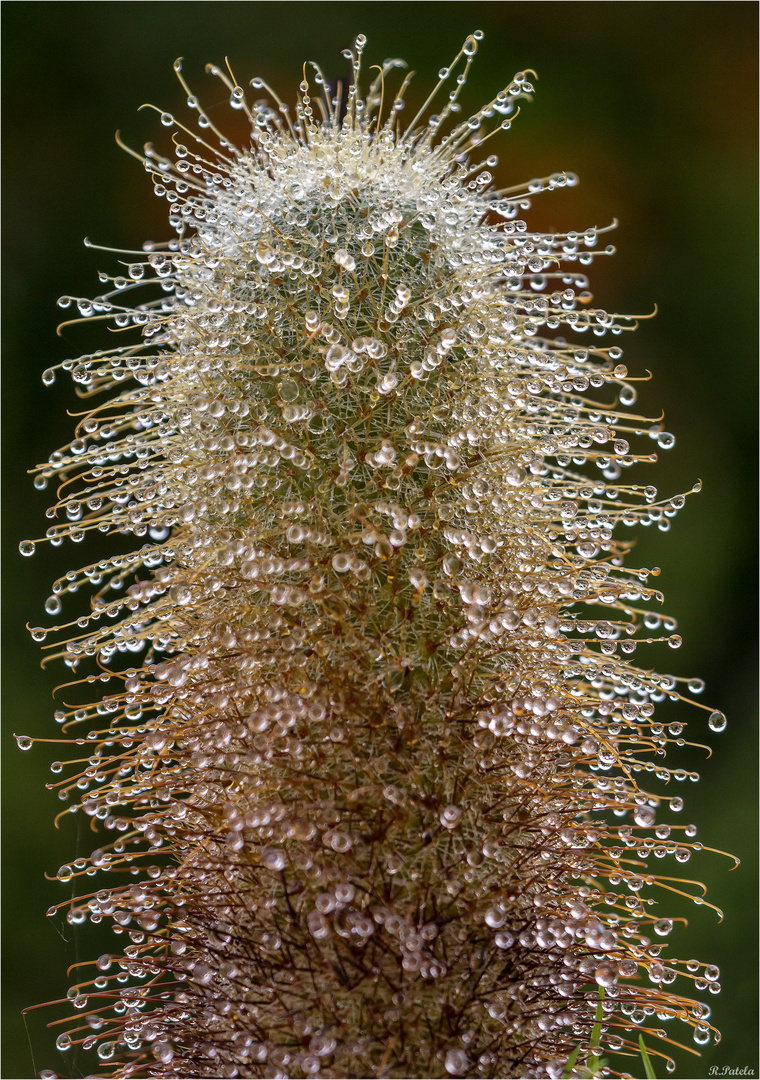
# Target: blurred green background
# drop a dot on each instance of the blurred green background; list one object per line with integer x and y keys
{"x": 654, "y": 106}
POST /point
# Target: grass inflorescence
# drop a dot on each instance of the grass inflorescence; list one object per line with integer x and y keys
{"x": 367, "y": 777}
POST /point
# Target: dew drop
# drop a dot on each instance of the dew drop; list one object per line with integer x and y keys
{"x": 24, "y": 742}
{"x": 273, "y": 859}
{"x": 163, "y": 1051}
{"x": 340, "y": 842}
{"x": 644, "y": 816}
{"x": 494, "y": 918}
{"x": 456, "y": 1062}
{"x": 717, "y": 721}
{"x": 606, "y": 975}
{"x": 449, "y": 816}
{"x": 26, "y": 547}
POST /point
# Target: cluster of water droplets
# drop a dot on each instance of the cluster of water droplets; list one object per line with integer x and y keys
{"x": 383, "y": 748}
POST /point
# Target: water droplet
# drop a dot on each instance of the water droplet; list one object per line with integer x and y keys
{"x": 181, "y": 594}
{"x": 449, "y": 817}
{"x": 494, "y": 917}
{"x": 273, "y": 859}
{"x": 456, "y": 1062}
{"x": 340, "y": 842}
{"x": 27, "y": 547}
{"x": 606, "y": 974}
{"x": 24, "y": 742}
{"x": 717, "y": 721}
{"x": 163, "y": 1051}
{"x": 644, "y": 816}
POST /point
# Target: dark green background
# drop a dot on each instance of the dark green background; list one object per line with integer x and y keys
{"x": 654, "y": 106}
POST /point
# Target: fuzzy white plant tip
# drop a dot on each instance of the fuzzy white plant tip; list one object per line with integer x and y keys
{"x": 366, "y": 781}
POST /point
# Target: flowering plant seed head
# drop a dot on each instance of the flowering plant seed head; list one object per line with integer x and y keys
{"x": 369, "y": 803}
